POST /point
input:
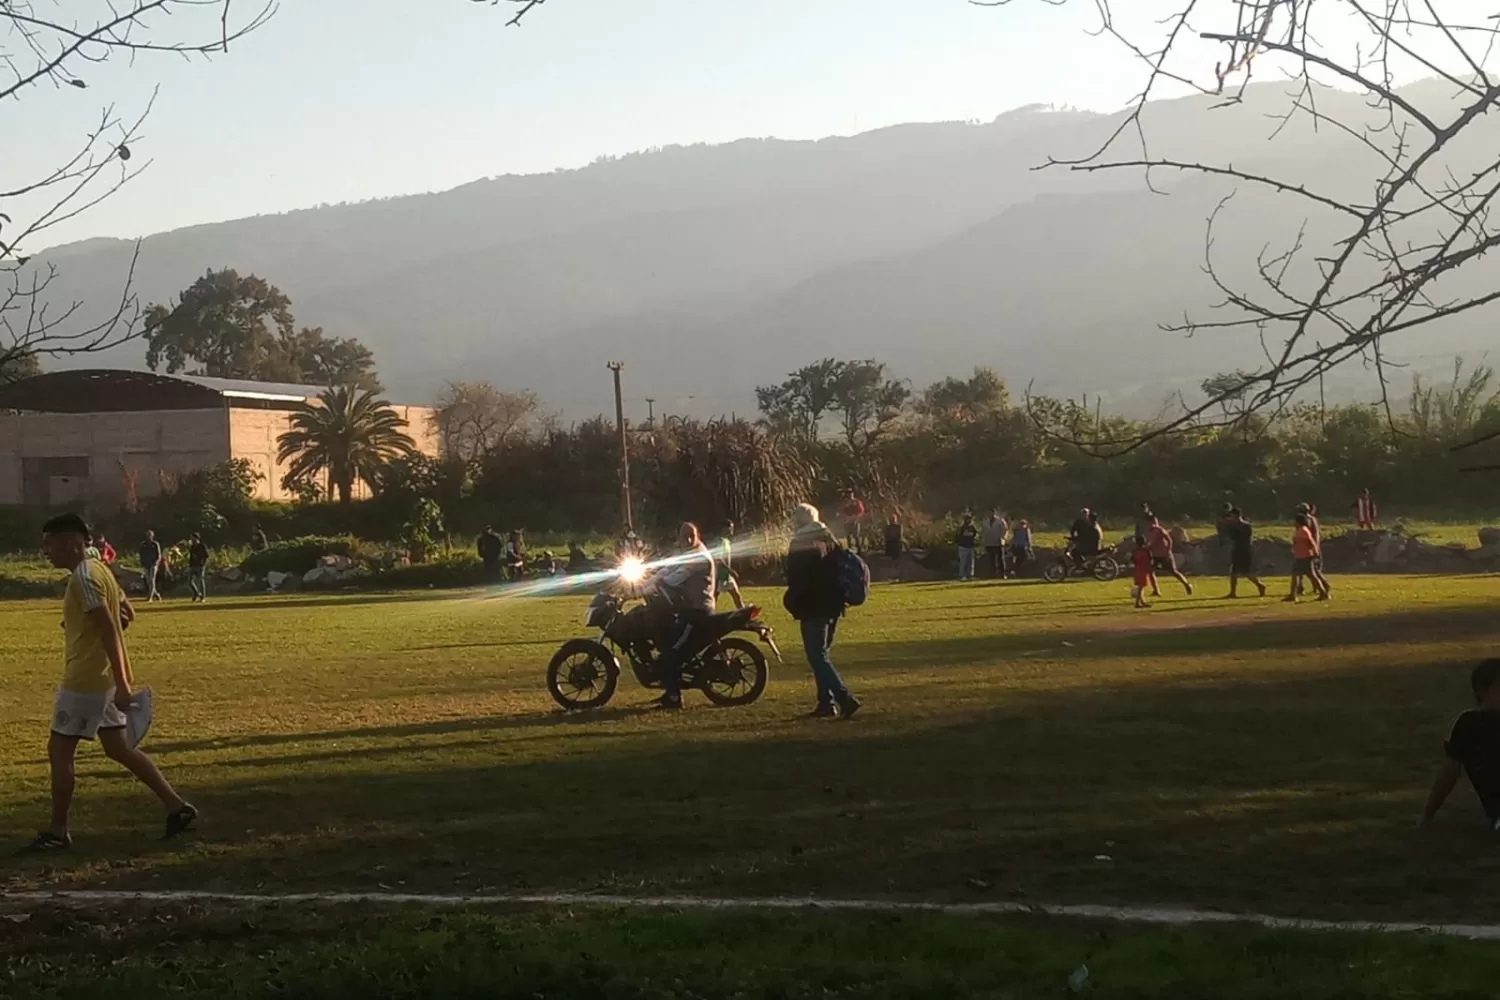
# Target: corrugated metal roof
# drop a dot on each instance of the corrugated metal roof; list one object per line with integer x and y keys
{"x": 103, "y": 390}
{"x": 254, "y": 390}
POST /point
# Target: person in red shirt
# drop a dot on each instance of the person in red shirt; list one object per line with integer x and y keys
{"x": 1159, "y": 542}
{"x": 1304, "y": 552}
{"x": 1140, "y": 561}
{"x": 852, "y": 513}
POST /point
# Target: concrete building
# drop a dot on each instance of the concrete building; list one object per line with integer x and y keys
{"x": 96, "y": 436}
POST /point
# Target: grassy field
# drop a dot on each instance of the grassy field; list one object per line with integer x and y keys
{"x": 352, "y": 954}
{"x": 1020, "y": 742}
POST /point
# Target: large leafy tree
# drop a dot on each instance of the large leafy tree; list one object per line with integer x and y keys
{"x": 349, "y": 434}
{"x": 226, "y": 325}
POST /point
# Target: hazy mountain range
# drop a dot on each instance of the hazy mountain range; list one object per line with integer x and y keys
{"x": 710, "y": 269}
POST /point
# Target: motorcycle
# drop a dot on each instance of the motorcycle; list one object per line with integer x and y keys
{"x": 729, "y": 670}
{"x": 1102, "y": 567}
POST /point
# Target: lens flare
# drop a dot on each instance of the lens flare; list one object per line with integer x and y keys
{"x": 632, "y": 570}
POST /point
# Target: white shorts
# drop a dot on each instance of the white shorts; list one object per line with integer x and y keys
{"x": 83, "y": 715}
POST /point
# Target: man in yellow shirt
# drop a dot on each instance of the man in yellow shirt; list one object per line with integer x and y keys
{"x": 95, "y": 691}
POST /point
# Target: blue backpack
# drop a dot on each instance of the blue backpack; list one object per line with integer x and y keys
{"x": 854, "y": 577}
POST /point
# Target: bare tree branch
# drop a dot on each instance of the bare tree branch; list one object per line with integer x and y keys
{"x": 1364, "y": 266}
{"x": 40, "y": 43}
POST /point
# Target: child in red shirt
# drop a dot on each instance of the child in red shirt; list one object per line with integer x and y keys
{"x": 1140, "y": 561}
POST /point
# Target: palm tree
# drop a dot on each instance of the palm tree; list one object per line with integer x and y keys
{"x": 350, "y": 433}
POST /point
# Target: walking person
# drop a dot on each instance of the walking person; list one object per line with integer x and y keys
{"x": 895, "y": 543}
{"x": 724, "y": 579}
{"x": 965, "y": 539}
{"x": 490, "y": 550}
{"x": 815, "y": 599}
{"x": 1163, "y": 561}
{"x": 151, "y": 565}
{"x": 995, "y": 530}
{"x": 1310, "y": 511}
{"x": 1365, "y": 511}
{"x": 198, "y": 568}
{"x": 1143, "y": 521}
{"x": 1140, "y": 569}
{"x": 96, "y": 688}
{"x": 1241, "y": 537}
{"x": 1304, "y": 551}
{"x": 852, "y": 513}
{"x": 1020, "y": 546}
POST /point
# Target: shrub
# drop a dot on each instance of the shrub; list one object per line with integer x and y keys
{"x": 454, "y": 571}
{"x": 298, "y": 555}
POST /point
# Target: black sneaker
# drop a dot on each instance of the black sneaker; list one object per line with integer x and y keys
{"x": 179, "y": 820}
{"x": 848, "y": 705}
{"x": 670, "y": 702}
{"x": 48, "y": 841}
{"x": 824, "y": 712}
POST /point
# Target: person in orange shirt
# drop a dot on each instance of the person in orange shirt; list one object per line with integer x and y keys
{"x": 1304, "y": 553}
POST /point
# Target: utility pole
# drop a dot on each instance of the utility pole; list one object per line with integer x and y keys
{"x": 650, "y": 414}
{"x": 615, "y": 366}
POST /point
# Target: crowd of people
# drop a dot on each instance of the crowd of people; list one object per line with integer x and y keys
{"x": 1003, "y": 549}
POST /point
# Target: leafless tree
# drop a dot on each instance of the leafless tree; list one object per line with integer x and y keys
{"x": 47, "y": 44}
{"x": 474, "y": 419}
{"x": 1365, "y": 267}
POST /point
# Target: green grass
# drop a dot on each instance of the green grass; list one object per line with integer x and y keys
{"x": 1020, "y": 742}
{"x": 352, "y": 953}
{"x": 1248, "y": 755}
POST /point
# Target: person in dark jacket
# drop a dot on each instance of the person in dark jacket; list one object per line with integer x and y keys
{"x": 813, "y": 597}
{"x": 198, "y": 568}
{"x": 490, "y": 550}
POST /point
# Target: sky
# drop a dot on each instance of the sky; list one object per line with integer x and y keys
{"x": 345, "y": 100}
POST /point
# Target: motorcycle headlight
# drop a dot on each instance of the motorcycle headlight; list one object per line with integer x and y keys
{"x": 632, "y": 570}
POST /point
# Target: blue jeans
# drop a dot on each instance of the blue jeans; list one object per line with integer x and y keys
{"x": 817, "y": 637}
{"x": 966, "y": 564}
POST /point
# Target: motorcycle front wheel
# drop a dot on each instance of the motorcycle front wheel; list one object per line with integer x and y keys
{"x": 1056, "y": 572}
{"x": 733, "y": 673}
{"x": 583, "y": 674}
{"x": 1106, "y": 568}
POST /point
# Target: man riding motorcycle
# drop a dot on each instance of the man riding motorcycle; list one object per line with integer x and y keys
{"x": 686, "y": 586}
{"x": 1085, "y": 538}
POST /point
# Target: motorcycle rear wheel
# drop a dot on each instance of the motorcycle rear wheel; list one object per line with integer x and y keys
{"x": 733, "y": 672}
{"x": 1106, "y": 568}
{"x": 583, "y": 675}
{"x": 1056, "y": 572}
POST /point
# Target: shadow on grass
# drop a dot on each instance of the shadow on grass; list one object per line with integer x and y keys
{"x": 480, "y": 723}
{"x": 1290, "y": 792}
{"x": 1190, "y": 638}
{"x": 272, "y": 602}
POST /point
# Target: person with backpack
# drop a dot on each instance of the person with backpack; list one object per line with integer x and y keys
{"x": 821, "y": 581}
